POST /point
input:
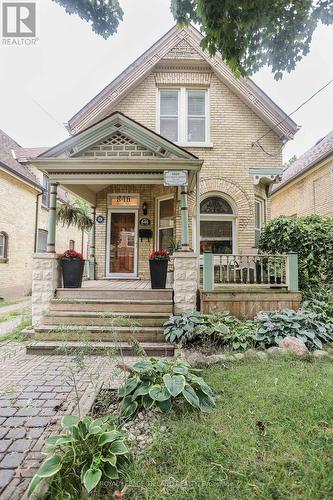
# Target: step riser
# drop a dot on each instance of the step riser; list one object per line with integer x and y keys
{"x": 99, "y": 336}
{"x": 110, "y": 322}
{"x": 125, "y": 351}
{"x": 122, "y": 308}
{"x": 114, "y": 294}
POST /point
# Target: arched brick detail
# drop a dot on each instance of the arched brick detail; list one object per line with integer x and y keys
{"x": 234, "y": 191}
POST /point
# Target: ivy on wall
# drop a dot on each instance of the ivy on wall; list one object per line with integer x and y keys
{"x": 312, "y": 238}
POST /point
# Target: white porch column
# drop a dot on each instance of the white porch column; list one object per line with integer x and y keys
{"x": 186, "y": 274}
{"x": 46, "y": 277}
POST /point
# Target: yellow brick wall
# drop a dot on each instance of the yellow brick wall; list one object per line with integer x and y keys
{"x": 233, "y": 129}
{"x": 17, "y": 219}
{"x": 312, "y": 193}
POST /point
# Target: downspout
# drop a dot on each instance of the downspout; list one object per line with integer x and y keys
{"x": 36, "y": 221}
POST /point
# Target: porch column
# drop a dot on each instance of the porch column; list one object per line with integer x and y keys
{"x": 92, "y": 245}
{"x": 184, "y": 236}
{"x": 52, "y": 220}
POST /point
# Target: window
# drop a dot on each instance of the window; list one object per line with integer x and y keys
{"x": 217, "y": 222}
{"x": 259, "y": 219}
{"x": 3, "y": 246}
{"x": 165, "y": 223}
{"x": 183, "y": 115}
{"x": 42, "y": 240}
{"x": 46, "y": 192}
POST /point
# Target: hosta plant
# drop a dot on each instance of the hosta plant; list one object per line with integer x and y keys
{"x": 274, "y": 326}
{"x": 242, "y": 336}
{"x": 185, "y": 327}
{"x": 157, "y": 382}
{"x": 87, "y": 453}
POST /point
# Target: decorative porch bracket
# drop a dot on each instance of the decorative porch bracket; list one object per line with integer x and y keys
{"x": 208, "y": 272}
{"x": 92, "y": 245}
{"x": 292, "y": 272}
{"x": 52, "y": 219}
{"x": 185, "y": 246}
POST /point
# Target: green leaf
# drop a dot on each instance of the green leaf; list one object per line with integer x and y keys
{"x": 206, "y": 402}
{"x": 129, "y": 409}
{"x": 147, "y": 402}
{"x": 191, "y": 396}
{"x": 69, "y": 420}
{"x": 142, "y": 389}
{"x": 111, "y": 459}
{"x": 107, "y": 437}
{"x": 91, "y": 479}
{"x": 164, "y": 406}
{"x": 34, "y": 483}
{"x": 51, "y": 466}
{"x": 118, "y": 448}
{"x": 174, "y": 384}
{"x": 141, "y": 366}
{"x": 95, "y": 430}
{"x": 110, "y": 471}
{"x": 159, "y": 393}
{"x": 182, "y": 370}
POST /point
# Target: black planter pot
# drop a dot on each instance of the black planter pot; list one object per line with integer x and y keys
{"x": 72, "y": 272}
{"x": 158, "y": 273}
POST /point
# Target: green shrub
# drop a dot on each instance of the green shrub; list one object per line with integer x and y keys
{"x": 321, "y": 303}
{"x": 242, "y": 336}
{"x": 312, "y": 238}
{"x": 185, "y": 327}
{"x": 274, "y": 326}
{"x": 157, "y": 382}
{"x": 87, "y": 453}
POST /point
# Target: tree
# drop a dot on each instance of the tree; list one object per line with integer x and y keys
{"x": 248, "y": 33}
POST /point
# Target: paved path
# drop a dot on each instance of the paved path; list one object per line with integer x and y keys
{"x": 35, "y": 391}
{"x": 9, "y": 325}
{"x": 24, "y": 304}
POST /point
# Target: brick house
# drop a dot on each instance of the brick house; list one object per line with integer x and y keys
{"x": 24, "y": 202}
{"x": 167, "y": 157}
{"x": 306, "y": 186}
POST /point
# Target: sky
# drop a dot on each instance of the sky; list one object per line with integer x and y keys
{"x": 42, "y": 86}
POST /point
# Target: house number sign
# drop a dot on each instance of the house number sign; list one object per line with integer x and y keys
{"x": 123, "y": 200}
{"x": 145, "y": 221}
{"x": 100, "y": 219}
{"x": 175, "y": 178}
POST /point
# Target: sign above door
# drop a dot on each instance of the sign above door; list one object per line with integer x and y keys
{"x": 123, "y": 200}
{"x": 175, "y": 178}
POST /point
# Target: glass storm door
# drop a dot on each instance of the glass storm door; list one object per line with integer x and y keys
{"x": 122, "y": 244}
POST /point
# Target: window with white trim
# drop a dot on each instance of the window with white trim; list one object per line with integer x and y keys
{"x": 165, "y": 223}
{"x": 3, "y": 245}
{"x": 183, "y": 115}
{"x": 259, "y": 218}
{"x": 46, "y": 192}
{"x": 217, "y": 225}
{"x": 42, "y": 240}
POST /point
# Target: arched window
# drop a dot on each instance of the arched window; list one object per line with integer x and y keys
{"x": 3, "y": 246}
{"x": 217, "y": 221}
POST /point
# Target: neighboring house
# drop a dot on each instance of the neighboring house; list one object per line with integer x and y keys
{"x": 168, "y": 155}
{"x": 24, "y": 206}
{"x": 307, "y": 184}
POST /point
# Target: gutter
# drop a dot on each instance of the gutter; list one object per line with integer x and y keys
{"x": 21, "y": 177}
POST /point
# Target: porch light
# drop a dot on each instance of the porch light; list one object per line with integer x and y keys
{"x": 144, "y": 208}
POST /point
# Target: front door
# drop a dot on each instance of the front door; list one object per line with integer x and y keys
{"x": 121, "y": 252}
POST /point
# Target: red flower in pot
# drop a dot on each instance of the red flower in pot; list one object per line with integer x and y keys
{"x": 158, "y": 265}
{"x": 72, "y": 265}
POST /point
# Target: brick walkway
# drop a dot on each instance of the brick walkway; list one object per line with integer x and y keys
{"x": 35, "y": 391}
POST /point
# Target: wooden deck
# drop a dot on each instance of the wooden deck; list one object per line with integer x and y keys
{"x": 116, "y": 285}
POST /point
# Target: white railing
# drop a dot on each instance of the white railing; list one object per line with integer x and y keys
{"x": 267, "y": 270}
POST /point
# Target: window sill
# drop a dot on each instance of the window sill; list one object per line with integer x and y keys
{"x": 200, "y": 145}
{"x": 3, "y": 260}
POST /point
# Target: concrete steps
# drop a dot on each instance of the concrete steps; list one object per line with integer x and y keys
{"x": 105, "y": 316}
{"x": 98, "y": 348}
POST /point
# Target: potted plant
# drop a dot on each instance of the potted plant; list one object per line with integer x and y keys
{"x": 72, "y": 265}
{"x": 158, "y": 265}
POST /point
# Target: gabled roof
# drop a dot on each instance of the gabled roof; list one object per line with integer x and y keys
{"x": 9, "y": 163}
{"x": 113, "y": 124}
{"x": 319, "y": 152}
{"x": 170, "y": 46}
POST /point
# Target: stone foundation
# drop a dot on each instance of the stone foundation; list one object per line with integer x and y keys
{"x": 46, "y": 277}
{"x": 186, "y": 268}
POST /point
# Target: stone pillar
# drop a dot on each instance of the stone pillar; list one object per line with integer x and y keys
{"x": 46, "y": 277}
{"x": 92, "y": 245}
{"x": 186, "y": 274}
{"x": 52, "y": 220}
{"x": 184, "y": 235}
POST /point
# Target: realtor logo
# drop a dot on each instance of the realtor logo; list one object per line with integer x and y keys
{"x": 19, "y": 19}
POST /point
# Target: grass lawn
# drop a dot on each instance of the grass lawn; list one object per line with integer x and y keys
{"x": 270, "y": 437}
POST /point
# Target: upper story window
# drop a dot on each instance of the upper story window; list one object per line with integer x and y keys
{"x": 46, "y": 192}
{"x": 183, "y": 115}
{"x": 3, "y": 246}
{"x": 259, "y": 219}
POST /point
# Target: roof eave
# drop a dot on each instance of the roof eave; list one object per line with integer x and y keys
{"x": 12, "y": 172}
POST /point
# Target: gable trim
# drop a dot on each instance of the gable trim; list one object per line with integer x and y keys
{"x": 245, "y": 88}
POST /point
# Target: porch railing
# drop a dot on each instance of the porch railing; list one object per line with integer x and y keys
{"x": 266, "y": 270}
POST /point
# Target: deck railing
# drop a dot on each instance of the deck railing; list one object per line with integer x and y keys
{"x": 245, "y": 270}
